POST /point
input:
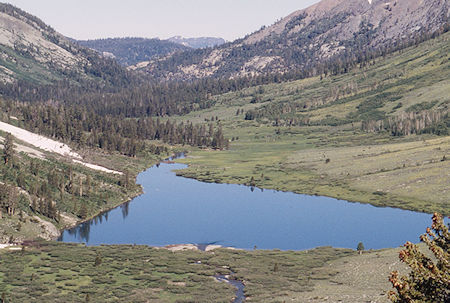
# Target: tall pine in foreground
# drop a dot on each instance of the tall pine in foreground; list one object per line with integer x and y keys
{"x": 427, "y": 281}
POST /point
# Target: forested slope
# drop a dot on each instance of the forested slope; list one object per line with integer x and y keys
{"x": 130, "y": 51}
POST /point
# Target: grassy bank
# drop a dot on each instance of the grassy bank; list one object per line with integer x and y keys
{"x": 404, "y": 173}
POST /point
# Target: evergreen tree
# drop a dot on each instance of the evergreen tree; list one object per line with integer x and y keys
{"x": 126, "y": 179}
{"x": 12, "y": 200}
{"x": 428, "y": 281}
{"x": 275, "y": 267}
{"x": 8, "y": 148}
{"x": 83, "y": 211}
{"x": 88, "y": 184}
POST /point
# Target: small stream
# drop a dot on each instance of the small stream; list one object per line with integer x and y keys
{"x": 239, "y": 297}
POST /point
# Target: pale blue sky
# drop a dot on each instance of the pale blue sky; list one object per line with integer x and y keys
{"x": 89, "y": 19}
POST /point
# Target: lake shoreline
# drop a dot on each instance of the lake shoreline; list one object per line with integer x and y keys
{"x": 177, "y": 210}
{"x": 220, "y": 179}
{"x": 120, "y": 203}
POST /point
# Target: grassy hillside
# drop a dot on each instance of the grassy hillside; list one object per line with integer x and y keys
{"x": 305, "y": 136}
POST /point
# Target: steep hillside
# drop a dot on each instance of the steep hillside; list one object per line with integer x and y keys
{"x": 310, "y": 38}
{"x": 35, "y": 53}
{"x": 130, "y": 51}
{"x": 200, "y": 42}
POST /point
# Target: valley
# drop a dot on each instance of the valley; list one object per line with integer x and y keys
{"x": 312, "y": 149}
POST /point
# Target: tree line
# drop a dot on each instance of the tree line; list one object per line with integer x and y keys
{"x": 84, "y": 128}
{"x": 428, "y": 121}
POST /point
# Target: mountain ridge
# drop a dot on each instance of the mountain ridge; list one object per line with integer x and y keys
{"x": 34, "y": 52}
{"x": 318, "y": 33}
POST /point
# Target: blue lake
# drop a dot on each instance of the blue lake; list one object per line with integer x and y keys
{"x": 176, "y": 210}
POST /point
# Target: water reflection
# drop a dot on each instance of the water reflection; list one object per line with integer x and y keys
{"x": 82, "y": 231}
{"x": 125, "y": 209}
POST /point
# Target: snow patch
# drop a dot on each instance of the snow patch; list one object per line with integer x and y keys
{"x": 98, "y": 167}
{"x": 370, "y": 1}
{"x": 39, "y": 141}
{"x": 50, "y": 146}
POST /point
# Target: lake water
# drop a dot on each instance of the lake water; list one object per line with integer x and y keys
{"x": 176, "y": 210}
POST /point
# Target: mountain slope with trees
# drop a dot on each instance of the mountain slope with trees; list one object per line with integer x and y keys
{"x": 130, "y": 51}
{"x": 330, "y": 32}
{"x": 34, "y": 53}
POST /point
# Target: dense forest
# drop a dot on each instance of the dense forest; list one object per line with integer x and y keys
{"x": 84, "y": 128}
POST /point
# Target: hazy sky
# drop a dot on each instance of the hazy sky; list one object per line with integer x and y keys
{"x": 89, "y": 19}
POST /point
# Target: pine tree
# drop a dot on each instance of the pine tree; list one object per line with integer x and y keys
{"x": 88, "y": 184}
{"x": 12, "y": 200}
{"x": 428, "y": 281}
{"x": 83, "y": 211}
{"x": 80, "y": 187}
{"x": 126, "y": 179}
{"x": 8, "y": 148}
